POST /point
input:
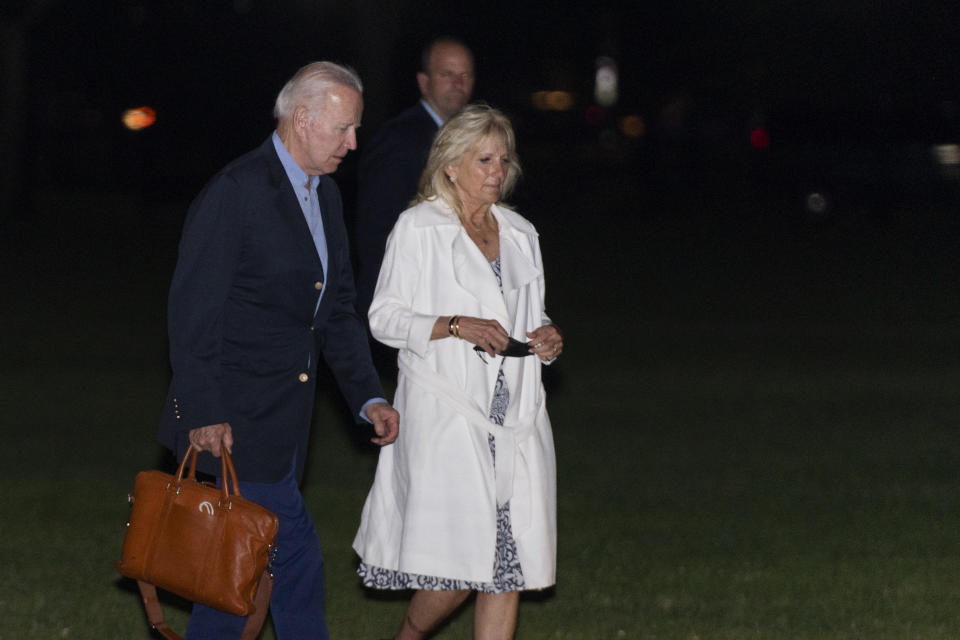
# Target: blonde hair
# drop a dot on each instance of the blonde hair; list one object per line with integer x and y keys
{"x": 461, "y": 133}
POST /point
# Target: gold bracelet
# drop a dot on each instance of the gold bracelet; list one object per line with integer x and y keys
{"x": 450, "y": 326}
{"x": 456, "y": 328}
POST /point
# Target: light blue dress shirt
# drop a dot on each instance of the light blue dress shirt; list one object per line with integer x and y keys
{"x": 306, "y": 189}
{"x": 433, "y": 114}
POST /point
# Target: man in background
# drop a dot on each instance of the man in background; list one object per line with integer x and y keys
{"x": 391, "y": 163}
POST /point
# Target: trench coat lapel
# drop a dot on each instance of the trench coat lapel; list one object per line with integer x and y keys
{"x": 517, "y": 270}
{"x": 472, "y": 272}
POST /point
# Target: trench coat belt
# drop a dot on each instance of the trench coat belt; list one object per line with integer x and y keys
{"x": 507, "y": 436}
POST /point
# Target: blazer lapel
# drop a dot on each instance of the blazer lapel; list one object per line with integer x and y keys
{"x": 289, "y": 209}
{"x": 326, "y": 210}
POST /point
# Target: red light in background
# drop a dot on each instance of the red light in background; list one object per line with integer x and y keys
{"x": 595, "y": 115}
{"x": 759, "y": 138}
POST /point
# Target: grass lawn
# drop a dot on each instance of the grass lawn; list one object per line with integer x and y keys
{"x": 756, "y": 429}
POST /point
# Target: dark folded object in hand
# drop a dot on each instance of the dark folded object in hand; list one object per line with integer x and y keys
{"x": 515, "y": 349}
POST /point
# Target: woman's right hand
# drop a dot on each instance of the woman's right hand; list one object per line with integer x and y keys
{"x": 486, "y": 334}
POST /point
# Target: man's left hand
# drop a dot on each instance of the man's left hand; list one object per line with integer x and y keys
{"x": 386, "y": 422}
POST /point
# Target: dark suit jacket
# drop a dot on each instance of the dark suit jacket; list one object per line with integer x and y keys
{"x": 244, "y": 339}
{"x": 390, "y": 168}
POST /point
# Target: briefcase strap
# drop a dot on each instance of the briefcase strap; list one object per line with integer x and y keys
{"x": 251, "y": 630}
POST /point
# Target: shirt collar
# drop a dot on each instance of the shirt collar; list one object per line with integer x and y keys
{"x": 431, "y": 112}
{"x": 297, "y": 176}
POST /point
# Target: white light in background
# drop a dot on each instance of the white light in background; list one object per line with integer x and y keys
{"x": 606, "y": 89}
{"x": 817, "y": 203}
{"x": 948, "y": 157}
{"x": 946, "y": 154}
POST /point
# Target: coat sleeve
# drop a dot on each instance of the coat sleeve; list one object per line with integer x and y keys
{"x": 345, "y": 346}
{"x": 208, "y": 256}
{"x": 538, "y": 261}
{"x": 544, "y": 318}
{"x": 393, "y": 320}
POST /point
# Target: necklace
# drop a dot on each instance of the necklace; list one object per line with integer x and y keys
{"x": 482, "y": 234}
{"x": 485, "y": 235}
{"x": 486, "y": 239}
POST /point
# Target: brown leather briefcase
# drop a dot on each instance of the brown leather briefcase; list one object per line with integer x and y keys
{"x": 203, "y": 543}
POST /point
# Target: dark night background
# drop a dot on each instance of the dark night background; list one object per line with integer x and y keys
{"x": 829, "y": 79}
{"x": 853, "y": 98}
{"x": 752, "y": 378}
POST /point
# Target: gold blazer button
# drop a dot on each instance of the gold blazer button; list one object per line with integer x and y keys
{"x": 304, "y": 377}
{"x": 318, "y": 285}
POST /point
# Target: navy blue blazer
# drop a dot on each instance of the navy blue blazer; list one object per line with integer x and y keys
{"x": 387, "y": 178}
{"x": 244, "y": 338}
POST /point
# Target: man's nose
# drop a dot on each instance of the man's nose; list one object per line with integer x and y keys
{"x": 351, "y": 142}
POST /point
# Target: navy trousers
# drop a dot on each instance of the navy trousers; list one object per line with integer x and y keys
{"x": 296, "y": 603}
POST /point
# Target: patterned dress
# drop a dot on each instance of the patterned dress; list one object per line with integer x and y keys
{"x": 507, "y": 575}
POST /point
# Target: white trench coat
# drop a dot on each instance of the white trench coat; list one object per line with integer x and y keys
{"x": 432, "y": 509}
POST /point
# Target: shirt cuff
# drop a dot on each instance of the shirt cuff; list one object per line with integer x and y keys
{"x": 363, "y": 409}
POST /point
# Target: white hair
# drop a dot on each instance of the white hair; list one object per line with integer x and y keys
{"x": 309, "y": 86}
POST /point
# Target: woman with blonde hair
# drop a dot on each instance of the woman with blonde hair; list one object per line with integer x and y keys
{"x": 465, "y": 500}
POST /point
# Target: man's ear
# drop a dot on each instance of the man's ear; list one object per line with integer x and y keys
{"x": 422, "y": 81}
{"x": 301, "y": 117}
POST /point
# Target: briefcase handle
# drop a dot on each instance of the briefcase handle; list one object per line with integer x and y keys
{"x": 227, "y": 473}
